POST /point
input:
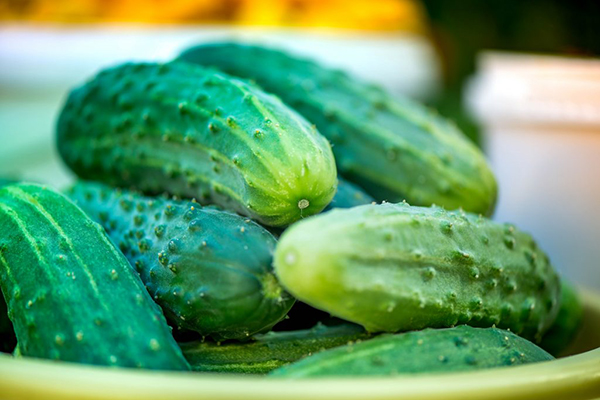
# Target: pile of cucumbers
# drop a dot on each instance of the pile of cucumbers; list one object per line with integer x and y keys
{"x": 242, "y": 210}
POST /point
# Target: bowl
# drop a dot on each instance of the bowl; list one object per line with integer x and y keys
{"x": 575, "y": 376}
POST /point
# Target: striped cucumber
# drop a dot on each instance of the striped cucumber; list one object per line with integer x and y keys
{"x": 210, "y": 270}
{"x": 394, "y": 267}
{"x": 395, "y": 149}
{"x": 71, "y": 294}
{"x": 197, "y": 133}
{"x": 462, "y": 348}
{"x": 568, "y": 321}
{"x": 348, "y": 195}
{"x": 269, "y": 351}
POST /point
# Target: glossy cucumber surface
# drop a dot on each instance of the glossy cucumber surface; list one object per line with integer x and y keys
{"x": 567, "y": 323}
{"x": 392, "y": 147}
{"x": 71, "y": 294}
{"x": 197, "y": 133}
{"x": 210, "y": 270}
{"x": 395, "y": 267}
{"x": 462, "y": 348}
{"x": 268, "y": 351}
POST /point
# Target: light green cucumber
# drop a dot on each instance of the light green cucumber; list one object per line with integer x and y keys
{"x": 392, "y": 147}
{"x": 197, "y": 133}
{"x": 395, "y": 267}
{"x": 210, "y": 270}
{"x": 462, "y": 348}
{"x": 568, "y": 321}
{"x": 71, "y": 294}
{"x": 268, "y": 351}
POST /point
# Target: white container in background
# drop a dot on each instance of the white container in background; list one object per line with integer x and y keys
{"x": 541, "y": 120}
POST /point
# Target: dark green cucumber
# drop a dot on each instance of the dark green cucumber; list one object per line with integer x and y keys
{"x": 567, "y": 323}
{"x": 394, "y": 267}
{"x": 210, "y": 270}
{"x": 71, "y": 294}
{"x": 197, "y": 133}
{"x": 395, "y": 149}
{"x": 269, "y": 351}
{"x": 462, "y": 348}
{"x": 348, "y": 195}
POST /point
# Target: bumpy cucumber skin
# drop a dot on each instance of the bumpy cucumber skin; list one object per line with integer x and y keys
{"x": 567, "y": 323}
{"x": 394, "y": 267}
{"x": 395, "y": 149}
{"x": 210, "y": 270}
{"x": 269, "y": 351}
{"x": 197, "y": 133}
{"x": 348, "y": 195}
{"x": 71, "y": 294}
{"x": 462, "y": 348}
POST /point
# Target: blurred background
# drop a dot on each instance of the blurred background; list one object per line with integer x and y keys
{"x": 522, "y": 80}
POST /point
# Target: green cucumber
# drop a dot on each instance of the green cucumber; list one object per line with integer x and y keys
{"x": 393, "y": 148}
{"x": 395, "y": 267}
{"x": 71, "y": 294}
{"x": 567, "y": 323}
{"x": 268, "y": 351}
{"x": 197, "y": 133}
{"x": 210, "y": 270}
{"x": 348, "y": 195}
{"x": 462, "y": 348}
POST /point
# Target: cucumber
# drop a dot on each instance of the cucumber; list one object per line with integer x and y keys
{"x": 568, "y": 321}
{"x": 348, "y": 195}
{"x": 210, "y": 270}
{"x": 71, "y": 294}
{"x": 392, "y": 147}
{"x": 197, "y": 133}
{"x": 462, "y": 348}
{"x": 268, "y": 351}
{"x": 395, "y": 267}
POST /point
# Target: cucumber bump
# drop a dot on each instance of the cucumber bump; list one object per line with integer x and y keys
{"x": 395, "y": 267}
{"x": 197, "y": 133}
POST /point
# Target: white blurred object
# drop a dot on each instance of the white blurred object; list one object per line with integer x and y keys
{"x": 39, "y": 64}
{"x": 541, "y": 118}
